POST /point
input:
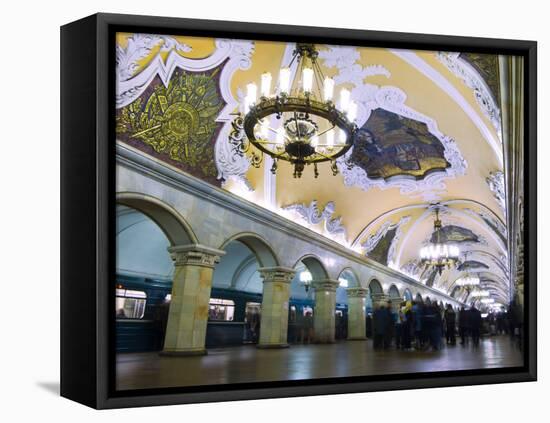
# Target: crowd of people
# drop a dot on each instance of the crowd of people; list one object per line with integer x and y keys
{"x": 423, "y": 325}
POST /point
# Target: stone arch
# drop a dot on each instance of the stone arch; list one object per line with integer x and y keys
{"x": 407, "y": 294}
{"x": 393, "y": 292}
{"x": 172, "y": 223}
{"x": 349, "y": 274}
{"x": 375, "y": 287}
{"x": 418, "y": 298}
{"x": 314, "y": 265}
{"x": 260, "y": 247}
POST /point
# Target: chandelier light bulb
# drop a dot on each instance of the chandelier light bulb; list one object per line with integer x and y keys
{"x": 330, "y": 138}
{"x": 280, "y": 137}
{"x": 352, "y": 111}
{"x": 264, "y": 129}
{"x": 315, "y": 141}
{"x": 328, "y": 88}
{"x": 342, "y": 136}
{"x": 307, "y": 79}
{"x": 345, "y": 97}
{"x": 266, "y": 84}
{"x": 284, "y": 80}
{"x": 251, "y": 92}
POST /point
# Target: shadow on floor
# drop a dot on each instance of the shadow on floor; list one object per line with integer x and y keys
{"x": 51, "y": 387}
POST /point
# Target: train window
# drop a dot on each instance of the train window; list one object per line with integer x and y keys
{"x": 307, "y": 309}
{"x": 130, "y": 304}
{"x": 292, "y": 314}
{"x": 339, "y": 313}
{"x": 221, "y": 309}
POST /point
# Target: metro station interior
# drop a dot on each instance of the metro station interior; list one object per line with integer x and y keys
{"x": 247, "y": 252}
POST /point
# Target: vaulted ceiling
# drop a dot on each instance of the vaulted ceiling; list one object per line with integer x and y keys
{"x": 429, "y": 134}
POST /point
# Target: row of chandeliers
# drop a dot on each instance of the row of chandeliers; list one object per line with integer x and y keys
{"x": 440, "y": 255}
{"x": 301, "y": 123}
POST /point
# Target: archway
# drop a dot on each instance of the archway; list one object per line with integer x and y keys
{"x": 145, "y": 228}
{"x": 418, "y": 298}
{"x": 234, "y": 315}
{"x": 407, "y": 295}
{"x": 302, "y": 298}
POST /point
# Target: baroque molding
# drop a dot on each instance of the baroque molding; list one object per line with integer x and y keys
{"x": 232, "y": 54}
{"x": 312, "y": 215}
{"x": 195, "y": 255}
{"x": 325, "y": 285}
{"x": 357, "y": 292}
{"x": 495, "y": 180}
{"x": 373, "y": 240}
{"x": 139, "y": 47}
{"x": 473, "y": 80}
{"x": 370, "y": 97}
{"x": 277, "y": 274}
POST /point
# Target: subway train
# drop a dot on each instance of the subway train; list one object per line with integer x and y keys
{"x": 142, "y": 306}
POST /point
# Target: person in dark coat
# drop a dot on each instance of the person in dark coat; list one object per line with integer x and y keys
{"x": 463, "y": 325}
{"x": 475, "y": 325}
{"x": 381, "y": 321}
{"x": 431, "y": 322}
{"x": 450, "y": 322}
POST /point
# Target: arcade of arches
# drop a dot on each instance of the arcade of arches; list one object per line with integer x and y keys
{"x": 226, "y": 272}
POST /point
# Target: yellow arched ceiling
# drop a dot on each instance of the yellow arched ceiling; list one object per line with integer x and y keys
{"x": 364, "y": 212}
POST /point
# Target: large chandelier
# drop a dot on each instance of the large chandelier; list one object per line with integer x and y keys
{"x": 437, "y": 254}
{"x": 299, "y": 122}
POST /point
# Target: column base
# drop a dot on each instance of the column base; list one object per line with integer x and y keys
{"x": 271, "y": 346}
{"x": 183, "y": 353}
{"x": 359, "y": 338}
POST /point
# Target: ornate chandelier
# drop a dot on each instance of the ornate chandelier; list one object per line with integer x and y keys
{"x": 480, "y": 294}
{"x": 468, "y": 280}
{"x": 299, "y": 122}
{"x": 437, "y": 254}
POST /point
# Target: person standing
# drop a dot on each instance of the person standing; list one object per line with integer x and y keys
{"x": 417, "y": 323}
{"x": 405, "y": 315}
{"x": 381, "y": 321}
{"x": 463, "y": 325}
{"x": 450, "y": 322}
{"x": 475, "y": 325}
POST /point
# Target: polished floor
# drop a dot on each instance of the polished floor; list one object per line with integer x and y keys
{"x": 346, "y": 358}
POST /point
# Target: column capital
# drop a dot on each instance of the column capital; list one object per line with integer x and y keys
{"x": 357, "y": 292}
{"x": 277, "y": 273}
{"x": 195, "y": 255}
{"x": 325, "y": 284}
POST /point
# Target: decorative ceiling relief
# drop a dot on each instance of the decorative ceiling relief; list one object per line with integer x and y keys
{"x": 416, "y": 169}
{"x": 313, "y": 215}
{"x": 471, "y": 265}
{"x": 493, "y": 223}
{"x": 412, "y": 269}
{"x": 177, "y": 122}
{"x": 194, "y": 110}
{"x": 495, "y": 180}
{"x": 456, "y": 234}
{"x": 139, "y": 47}
{"x": 390, "y": 145}
{"x": 382, "y": 245}
{"x": 461, "y": 66}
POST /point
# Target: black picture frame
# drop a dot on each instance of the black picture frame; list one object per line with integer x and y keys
{"x": 88, "y": 195}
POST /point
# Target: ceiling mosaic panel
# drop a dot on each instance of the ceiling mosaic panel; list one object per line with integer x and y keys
{"x": 472, "y": 264}
{"x": 382, "y": 248}
{"x": 456, "y": 234}
{"x": 177, "y": 123}
{"x": 389, "y": 145}
{"x": 487, "y": 67}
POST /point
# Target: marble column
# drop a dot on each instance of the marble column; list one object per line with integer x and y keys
{"x": 274, "y": 317}
{"x": 357, "y": 298}
{"x": 325, "y": 308}
{"x": 188, "y": 314}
